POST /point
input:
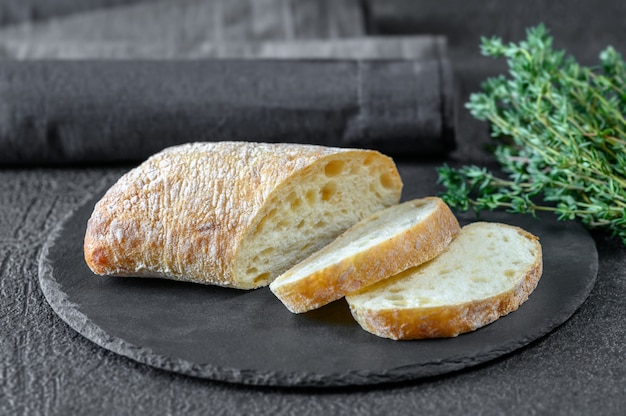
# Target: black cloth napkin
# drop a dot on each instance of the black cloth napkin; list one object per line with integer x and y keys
{"x": 17, "y": 11}
{"x": 89, "y": 111}
{"x": 172, "y": 24}
{"x": 109, "y": 99}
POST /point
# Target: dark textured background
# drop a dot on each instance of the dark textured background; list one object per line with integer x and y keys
{"x": 46, "y": 368}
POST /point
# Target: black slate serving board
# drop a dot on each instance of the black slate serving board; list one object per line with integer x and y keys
{"x": 249, "y": 337}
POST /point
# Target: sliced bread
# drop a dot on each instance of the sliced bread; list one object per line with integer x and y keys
{"x": 488, "y": 271}
{"x": 381, "y": 245}
{"x": 234, "y": 214}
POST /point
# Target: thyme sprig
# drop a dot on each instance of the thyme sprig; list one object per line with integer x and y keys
{"x": 560, "y": 134}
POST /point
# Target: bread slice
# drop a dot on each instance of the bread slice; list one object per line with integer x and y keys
{"x": 377, "y": 247}
{"x": 234, "y": 214}
{"x": 488, "y": 271}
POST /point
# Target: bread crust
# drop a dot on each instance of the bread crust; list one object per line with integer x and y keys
{"x": 451, "y": 320}
{"x": 411, "y": 247}
{"x": 183, "y": 213}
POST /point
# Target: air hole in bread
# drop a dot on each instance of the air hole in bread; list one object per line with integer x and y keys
{"x": 393, "y": 297}
{"x": 509, "y": 272}
{"x": 301, "y": 224}
{"x": 368, "y": 160}
{"x": 328, "y": 191}
{"x": 387, "y": 181}
{"x": 320, "y": 224}
{"x": 334, "y": 168}
{"x": 311, "y": 196}
{"x": 267, "y": 251}
{"x": 252, "y": 270}
{"x": 261, "y": 278}
{"x": 294, "y": 200}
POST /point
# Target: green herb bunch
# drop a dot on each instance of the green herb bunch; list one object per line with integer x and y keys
{"x": 560, "y": 134}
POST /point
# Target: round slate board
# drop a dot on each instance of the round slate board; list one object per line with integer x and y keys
{"x": 249, "y": 337}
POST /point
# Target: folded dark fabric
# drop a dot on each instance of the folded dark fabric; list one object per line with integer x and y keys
{"x": 367, "y": 47}
{"x": 122, "y": 81}
{"x": 16, "y": 11}
{"x": 125, "y": 110}
{"x": 180, "y": 22}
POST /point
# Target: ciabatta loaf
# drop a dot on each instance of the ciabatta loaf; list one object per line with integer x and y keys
{"x": 488, "y": 271}
{"x": 234, "y": 214}
{"x": 381, "y": 245}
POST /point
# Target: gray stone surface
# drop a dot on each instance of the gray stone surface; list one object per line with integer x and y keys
{"x": 47, "y": 368}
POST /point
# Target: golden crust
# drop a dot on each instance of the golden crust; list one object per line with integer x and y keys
{"x": 388, "y": 258}
{"x": 183, "y": 212}
{"x": 450, "y": 320}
